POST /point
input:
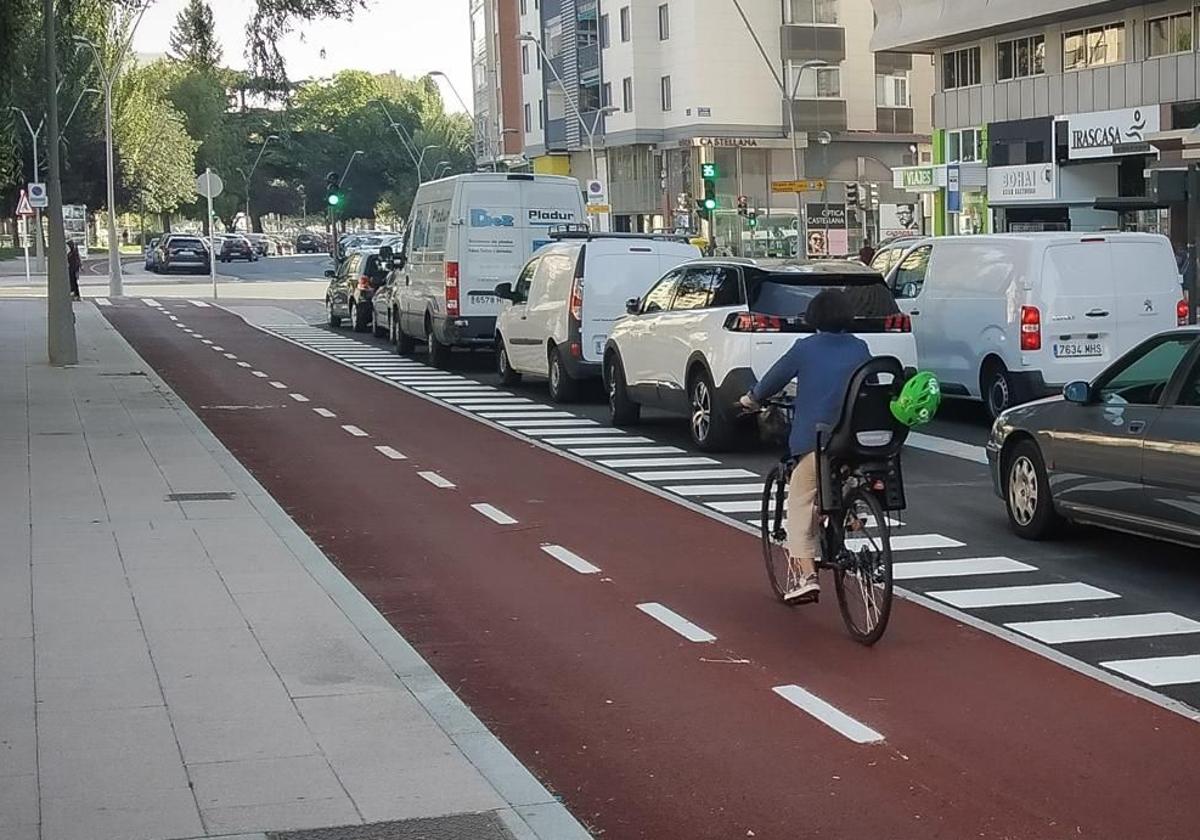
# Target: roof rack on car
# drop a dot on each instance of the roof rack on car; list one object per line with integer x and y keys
{"x": 582, "y": 231}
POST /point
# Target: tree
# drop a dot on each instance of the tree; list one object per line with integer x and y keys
{"x": 194, "y": 39}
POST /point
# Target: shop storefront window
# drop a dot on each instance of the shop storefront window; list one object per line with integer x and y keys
{"x": 1169, "y": 35}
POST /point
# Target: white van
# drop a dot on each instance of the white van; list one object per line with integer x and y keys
{"x": 467, "y": 234}
{"x": 566, "y": 299}
{"x": 1009, "y": 318}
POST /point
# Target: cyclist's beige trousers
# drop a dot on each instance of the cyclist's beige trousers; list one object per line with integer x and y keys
{"x": 802, "y": 493}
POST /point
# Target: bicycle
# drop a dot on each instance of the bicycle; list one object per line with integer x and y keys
{"x": 855, "y": 493}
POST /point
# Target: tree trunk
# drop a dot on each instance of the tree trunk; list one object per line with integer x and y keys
{"x": 165, "y": 218}
{"x": 60, "y": 333}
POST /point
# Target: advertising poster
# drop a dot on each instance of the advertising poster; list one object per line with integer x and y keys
{"x": 827, "y": 233}
{"x": 898, "y": 220}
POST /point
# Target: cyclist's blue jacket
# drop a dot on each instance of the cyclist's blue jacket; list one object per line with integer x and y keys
{"x": 822, "y": 365}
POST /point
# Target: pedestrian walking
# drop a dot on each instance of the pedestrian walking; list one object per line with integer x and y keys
{"x": 74, "y": 262}
{"x": 866, "y": 253}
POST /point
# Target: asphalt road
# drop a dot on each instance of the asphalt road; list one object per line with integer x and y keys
{"x": 452, "y": 514}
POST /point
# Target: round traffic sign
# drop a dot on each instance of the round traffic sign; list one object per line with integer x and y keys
{"x": 209, "y": 184}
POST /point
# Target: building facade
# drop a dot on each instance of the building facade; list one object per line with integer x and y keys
{"x": 1062, "y": 114}
{"x": 496, "y": 95}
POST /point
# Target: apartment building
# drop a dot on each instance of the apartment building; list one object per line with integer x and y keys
{"x": 1055, "y": 114}
{"x": 496, "y": 82}
{"x": 670, "y": 85}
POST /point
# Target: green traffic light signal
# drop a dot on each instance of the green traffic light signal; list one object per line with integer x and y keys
{"x": 334, "y": 199}
{"x": 710, "y": 204}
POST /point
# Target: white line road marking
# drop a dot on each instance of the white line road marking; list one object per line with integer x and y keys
{"x": 625, "y": 450}
{"x": 458, "y": 390}
{"x": 570, "y": 559}
{"x": 945, "y": 446}
{"x": 492, "y": 413}
{"x": 436, "y": 480}
{"x": 495, "y": 514}
{"x": 218, "y": 348}
{"x": 746, "y": 506}
{"x": 625, "y": 463}
{"x": 1064, "y": 630}
{"x": 172, "y": 317}
{"x": 716, "y": 489}
{"x": 958, "y": 568}
{"x": 278, "y": 385}
{"x": 490, "y": 400}
{"x": 299, "y": 397}
{"x": 388, "y": 452}
{"x": 1159, "y": 670}
{"x": 546, "y": 424}
{"x": 414, "y": 381}
{"x": 672, "y": 619}
{"x": 151, "y": 302}
{"x": 552, "y": 432}
{"x": 909, "y": 542}
{"x": 259, "y": 374}
{"x": 204, "y": 340}
{"x": 199, "y": 303}
{"x": 355, "y": 431}
{"x": 231, "y": 356}
{"x": 244, "y": 364}
{"x": 103, "y": 302}
{"x": 1011, "y": 596}
{"x": 692, "y": 475}
{"x": 597, "y": 441}
{"x": 831, "y": 716}
{"x": 182, "y": 326}
{"x": 324, "y": 412}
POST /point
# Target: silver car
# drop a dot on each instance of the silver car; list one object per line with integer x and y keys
{"x": 1121, "y": 452}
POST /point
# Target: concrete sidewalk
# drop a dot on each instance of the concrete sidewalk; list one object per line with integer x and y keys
{"x": 177, "y": 659}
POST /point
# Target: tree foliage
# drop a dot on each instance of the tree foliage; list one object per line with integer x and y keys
{"x": 194, "y": 39}
{"x": 158, "y": 156}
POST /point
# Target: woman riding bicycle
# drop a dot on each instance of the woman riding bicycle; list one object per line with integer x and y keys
{"x": 822, "y": 365}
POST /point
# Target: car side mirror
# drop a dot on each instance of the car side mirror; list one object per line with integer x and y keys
{"x": 504, "y": 291}
{"x": 908, "y": 290}
{"x": 1078, "y": 392}
{"x": 633, "y": 306}
{"x": 329, "y": 272}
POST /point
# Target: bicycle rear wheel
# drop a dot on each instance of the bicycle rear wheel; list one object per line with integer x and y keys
{"x": 863, "y": 572}
{"x": 773, "y": 530}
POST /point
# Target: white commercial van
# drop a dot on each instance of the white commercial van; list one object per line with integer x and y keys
{"x": 467, "y": 234}
{"x": 1009, "y": 318}
{"x": 566, "y": 299}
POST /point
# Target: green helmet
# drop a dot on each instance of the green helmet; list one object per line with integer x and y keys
{"x": 918, "y": 400}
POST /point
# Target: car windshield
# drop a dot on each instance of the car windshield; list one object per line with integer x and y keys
{"x": 180, "y": 242}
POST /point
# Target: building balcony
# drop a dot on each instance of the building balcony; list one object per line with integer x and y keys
{"x": 894, "y": 120}
{"x": 801, "y": 42}
{"x": 556, "y": 135}
{"x": 818, "y": 115}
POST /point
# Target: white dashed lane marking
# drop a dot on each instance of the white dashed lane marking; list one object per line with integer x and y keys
{"x": 324, "y": 412}
{"x": 494, "y": 513}
{"x": 300, "y": 398}
{"x": 259, "y": 374}
{"x": 244, "y": 364}
{"x": 672, "y": 619}
{"x": 355, "y": 431}
{"x": 570, "y": 559}
{"x": 278, "y": 385}
{"x": 831, "y": 716}
{"x": 436, "y": 480}
{"x": 389, "y": 452}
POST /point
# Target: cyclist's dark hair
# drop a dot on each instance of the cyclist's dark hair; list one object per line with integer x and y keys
{"x": 831, "y": 311}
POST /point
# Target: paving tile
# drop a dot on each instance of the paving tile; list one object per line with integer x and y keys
{"x": 272, "y": 781}
{"x": 209, "y": 731}
{"x": 112, "y": 647}
{"x": 189, "y": 658}
{"x": 319, "y": 813}
{"x": 18, "y": 802}
{"x": 164, "y": 814}
{"x": 312, "y": 661}
{"x": 184, "y": 599}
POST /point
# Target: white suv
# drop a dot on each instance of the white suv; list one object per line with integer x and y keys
{"x": 708, "y": 330}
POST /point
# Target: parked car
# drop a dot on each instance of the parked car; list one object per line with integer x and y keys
{"x": 566, "y": 299}
{"x": 308, "y": 243}
{"x": 151, "y": 253}
{"x": 466, "y": 234}
{"x": 181, "y": 252}
{"x": 351, "y": 286}
{"x": 262, "y": 244}
{"x": 237, "y": 248}
{"x": 1121, "y": 451}
{"x": 706, "y": 332}
{"x": 1007, "y": 318}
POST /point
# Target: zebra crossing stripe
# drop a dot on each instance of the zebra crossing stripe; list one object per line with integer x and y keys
{"x": 1013, "y": 596}
{"x": 1093, "y": 629}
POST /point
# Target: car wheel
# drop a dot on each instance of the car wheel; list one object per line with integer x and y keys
{"x": 563, "y": 389}
{"x": 710, "y": 424}
{"x": 405, "y": 346}
{"x": 361, "y": 314}
{"x": 335, "y": 321}
{"x": 1031, "y": 513}
{"x": 998, "y": 389}
{"x": 622, "y": 410}
{"x": 508, "y": 376}
{"x": 439, "y": 354}
{"x": 376, "y": 330}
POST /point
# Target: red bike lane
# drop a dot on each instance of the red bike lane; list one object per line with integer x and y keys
{"x": 643, "y": 733}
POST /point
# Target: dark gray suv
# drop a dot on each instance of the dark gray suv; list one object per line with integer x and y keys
{"x": 1121, "y": 452}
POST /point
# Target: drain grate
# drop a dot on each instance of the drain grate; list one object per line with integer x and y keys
{"x": 216, "y": 496}
{"x": 458, "y": 827}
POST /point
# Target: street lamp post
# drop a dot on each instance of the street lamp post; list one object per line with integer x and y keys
{"x": 421, "y": 158}
{"x": 470, "y": 112}
{"x": 248, "y": 175}
{"x": 405, "y": 140}
{"x": 349, "y": 163}
{"x": 442, "y": 167}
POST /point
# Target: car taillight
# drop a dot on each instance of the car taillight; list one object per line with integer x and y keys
{"x": 577, "y": 300}
{"x": 750, "y": 322}
{"x": 452, "y": 289}
{"x": 1031, "y": 328}
{"x": 364, "y": 283}
{"x": 1181, "y": 312}
{"x": 899, "y": 322}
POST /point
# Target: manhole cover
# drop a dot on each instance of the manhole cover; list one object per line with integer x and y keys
{"x": 217, "y": 496}
{"x": 458, "y": 827}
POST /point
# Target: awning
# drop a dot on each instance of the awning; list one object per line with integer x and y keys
{"x": 1129, "y": 203}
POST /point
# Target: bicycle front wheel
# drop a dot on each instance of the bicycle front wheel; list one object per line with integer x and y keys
{"x": 863, "y": 572}
{"x": 773, "y": 529}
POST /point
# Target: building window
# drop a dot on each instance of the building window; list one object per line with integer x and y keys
{"x": 524, "y": 59}
{"x": 815, "y": 82}
{"x": 627, "y": 94}
{"x": 523, "y": 7}
{"x": 528, "y": 119}
{"x": 541, "y": 114}
{"x": 665, "y": 85}
{"x": 1094, "y": 47}
{"x": 964, "y": 146}
{"x": 606, "y": 95}
{"x": 589, "y": 97}
{"x": 664, "y": 22}
{"x": 812, "y": 11}
{"x": 1169, "y": 35}
{"x": 604, "y": 42}
{"x": 1021, "y": 58}
{"x": 960, "y": 68}
{"x": 892, "y": 91}
{"x": 624, "y": 24}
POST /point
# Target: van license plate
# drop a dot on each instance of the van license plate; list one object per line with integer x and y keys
{"x": 1078, "y": 349}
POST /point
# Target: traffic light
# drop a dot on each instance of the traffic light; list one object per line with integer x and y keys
{"x": 709, "y": 171}
{"x": 743, "y": 205}
{"x": 333, "y": 193}
{"x": 710, "y": 196}
{"x": 873, "y": 193}
{"x": 852, "y": 196}
{"x": 752, "y": 219}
